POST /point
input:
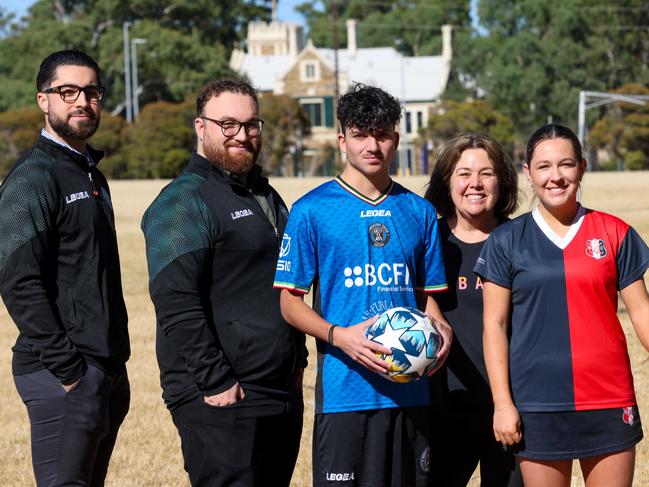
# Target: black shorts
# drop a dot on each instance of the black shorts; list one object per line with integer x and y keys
{"x": 578, "y": 434}
{"x": 381, "y": 447}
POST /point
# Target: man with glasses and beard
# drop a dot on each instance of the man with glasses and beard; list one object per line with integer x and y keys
{"x": 230, "y": 366}
{"x": 60, "y": 280}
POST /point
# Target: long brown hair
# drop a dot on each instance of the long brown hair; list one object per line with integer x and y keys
{"x": 439, "y": 184}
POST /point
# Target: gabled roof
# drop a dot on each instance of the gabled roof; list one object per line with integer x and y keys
{"x": 424, "y": 76}
{"x": 265, "y": 71}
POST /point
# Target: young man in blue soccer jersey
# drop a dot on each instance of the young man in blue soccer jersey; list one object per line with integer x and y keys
{"x": 366, "y": 244}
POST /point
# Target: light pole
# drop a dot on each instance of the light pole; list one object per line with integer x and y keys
{"x": 403, "y": 159}
{"x": 136, "y": 100}
{"x": 127, "y": 74}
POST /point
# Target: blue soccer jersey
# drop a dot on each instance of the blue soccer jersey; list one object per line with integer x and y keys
{"x": 567, "y": 350}
{"x": 364, "y": 256}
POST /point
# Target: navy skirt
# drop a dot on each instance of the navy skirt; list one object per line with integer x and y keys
{"x": 578, "y": 434}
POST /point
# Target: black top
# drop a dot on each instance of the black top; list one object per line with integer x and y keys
{"x": 212, "y": 253}
{"x": 462, "y": 383}
{"x": 59, "y": 265}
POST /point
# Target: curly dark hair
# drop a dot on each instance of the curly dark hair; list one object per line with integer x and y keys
{"x": 367, "y": 108}
{"x": 440, "y": 179}
{"x": 215, "y": 88}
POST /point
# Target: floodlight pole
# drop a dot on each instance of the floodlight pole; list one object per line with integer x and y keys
{"x": 136, "y": 100}
{"x": 127, "y": 74}
{"x": 403, "y": 160}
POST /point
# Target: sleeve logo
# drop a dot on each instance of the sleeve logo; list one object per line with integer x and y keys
{"x": 285, "y": 248}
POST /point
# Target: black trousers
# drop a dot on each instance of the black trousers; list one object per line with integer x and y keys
{"x": 462, "y": 439}
{"x": 252, "y": 443}
{"x": 73, "y": 434}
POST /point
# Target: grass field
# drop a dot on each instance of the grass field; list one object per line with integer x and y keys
{"x": 148, "y": 450}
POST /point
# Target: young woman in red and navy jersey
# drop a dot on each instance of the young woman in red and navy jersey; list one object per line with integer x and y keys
{"x": 562, "y": 383}
{"x": 474, "y": 187}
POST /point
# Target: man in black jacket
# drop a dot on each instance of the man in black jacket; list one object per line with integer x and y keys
{"x": 230, "y": 366}
{"x": 60, "y": 280}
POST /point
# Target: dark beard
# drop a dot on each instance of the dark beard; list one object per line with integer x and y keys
{"x": 220, "y": 157}
{"x": 83, "y": 131}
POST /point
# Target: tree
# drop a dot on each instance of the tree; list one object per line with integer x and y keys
{"x": 624, "y": 131}
{"x": 158, "y": 144}
{"x": 453, "y": 117}
{"x": 535, "y": 57}
{"x": 189, "y": 42}
{"x": 417, "y": 24}
{"x": 285, "y": 125}
{"x": 18, "y": 131}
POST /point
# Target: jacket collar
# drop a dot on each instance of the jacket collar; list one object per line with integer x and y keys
{"x": 52, "y": 148}
{"x": 256, "y": 183}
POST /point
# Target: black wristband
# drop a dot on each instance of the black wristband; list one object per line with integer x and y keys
{"x": 330, "y": 335}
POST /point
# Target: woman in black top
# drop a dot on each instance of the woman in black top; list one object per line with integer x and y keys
{"x": 474, "y": 187}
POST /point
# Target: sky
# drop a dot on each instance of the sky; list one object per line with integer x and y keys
{"x": 285, "y": 9}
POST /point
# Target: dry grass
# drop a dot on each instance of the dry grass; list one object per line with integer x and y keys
{"x": 148, "y": 449}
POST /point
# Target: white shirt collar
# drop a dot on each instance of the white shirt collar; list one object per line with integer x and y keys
{"x": 561, "y": 242}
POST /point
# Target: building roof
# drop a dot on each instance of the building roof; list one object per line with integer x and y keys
{"x": 265, "y": 71}
{"x": 425, "y": 76}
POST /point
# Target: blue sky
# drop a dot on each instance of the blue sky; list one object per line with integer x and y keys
{"x": 284, "y": 8}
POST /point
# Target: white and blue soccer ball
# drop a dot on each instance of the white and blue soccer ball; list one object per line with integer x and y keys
{"x": 413, "y": 339}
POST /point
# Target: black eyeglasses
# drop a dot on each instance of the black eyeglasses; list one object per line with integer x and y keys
{"x": 70, "y": 93}
{"x": 230, "y": 127}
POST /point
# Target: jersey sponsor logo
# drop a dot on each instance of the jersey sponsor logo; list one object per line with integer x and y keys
{"x": 386, "y": 277}
{"x": 373, "y": 213}
{"x": 331, "y": 476}
{"x": 284, "y": 249}
{"x": 378, "y": 234}
{"x": 596, "y": 249}
{"x": 628, "y": 415}
{"x": 241, "y": 213}
{"x": 81, "y": 195}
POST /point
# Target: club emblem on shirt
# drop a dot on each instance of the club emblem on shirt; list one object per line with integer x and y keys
{"x": 595, "y": 248}
{"x": 379, "y": 235}
{"x": 628, "y": 415}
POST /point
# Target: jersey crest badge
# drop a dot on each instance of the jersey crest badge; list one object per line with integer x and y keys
{"x": 596, "y": 249}
{"x": 628, "y": 415}
{"x": 378, "y": 234}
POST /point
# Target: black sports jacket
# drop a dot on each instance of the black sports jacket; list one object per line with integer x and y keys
{"x": 212, "y": 253}
{"x": 59, "y": 265}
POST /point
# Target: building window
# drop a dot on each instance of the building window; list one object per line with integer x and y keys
{"x": 408, "y": 123}
{"x": 420, "y": 120}
{"x": 314, "y": 109}
{"x": 309, "y": 71}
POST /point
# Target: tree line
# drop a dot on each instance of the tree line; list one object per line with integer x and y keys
{"x": 522, "y": 64}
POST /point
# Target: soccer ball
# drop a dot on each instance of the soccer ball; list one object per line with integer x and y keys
{"x": 413, "y": 339}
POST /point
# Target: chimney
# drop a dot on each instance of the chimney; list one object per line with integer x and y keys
{"x": 447, "y": 47}
{"x": 292, "y": 41}
{"x": 351, "y": 37}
